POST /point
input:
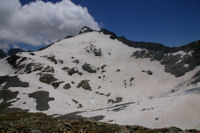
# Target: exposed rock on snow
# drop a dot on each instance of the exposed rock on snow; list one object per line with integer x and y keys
{"x": 12, "y": 81}
{"x": 73, "y": 71}
{"x": 47, "y": 78}
{"x": 67, "y": 86}
{"x": 89, "y": 68}
{"x": 42, "y": 99}
{"x": 92, "y": 49}
{"x": 85, "y": 85}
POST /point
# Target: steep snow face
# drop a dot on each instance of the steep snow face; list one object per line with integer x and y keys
{"x": 101, "y": 77}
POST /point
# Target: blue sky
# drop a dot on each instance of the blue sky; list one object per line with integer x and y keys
{"x": 169, "y": 22}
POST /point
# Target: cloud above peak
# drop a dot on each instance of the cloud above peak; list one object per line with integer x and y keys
{"x": 42, "y": 22}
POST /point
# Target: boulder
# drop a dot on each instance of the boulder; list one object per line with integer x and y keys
{"x": 67, "y": 86}
{"x": 89, "y": 68}
{"x": 47, "y": 78}
{"x": 85, "y": 85}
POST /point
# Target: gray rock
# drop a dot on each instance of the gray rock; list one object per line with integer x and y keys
{"x": 42, "y": 99}
{"x": 56, "y": 84}
{"x": 85, "y": 85}
{"x": 47, "y": 78}
{"x": 97, "y": 52}
{"x": 67, "y": 86}
{"x": 12, "y": 81}
{"x": 73, "y": 71}
{"x": 89, "y": 68}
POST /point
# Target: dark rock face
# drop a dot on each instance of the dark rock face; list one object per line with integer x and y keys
{"x": 12, "y": 60}
{"x": 14, "y": 51}
{"x": 85, "y": 29}
{"x": 73, "y": 71}
{"x": 174, "y": 63}
{"x": 67, "y": 86}
{"x": 47, "y": 78}
{"x": 42, "y": 99}
{"x": 33, "y": 67}
{"x": 145, "y": 45}
{"x": 56, "y": 84}
{"x": 88, "y": 68}
{"x": 12, "y": 81}
{"x": 85, "y": 85}
{"x": 162, "y": 53}
{"x": 2, "y": 54}
{"x": 48, "y": 69}
{"x": 5, "y": 94}
{"x": 19, "y": 64}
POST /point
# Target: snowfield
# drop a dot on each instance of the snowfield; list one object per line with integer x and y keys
{"x": 122, "y": 88}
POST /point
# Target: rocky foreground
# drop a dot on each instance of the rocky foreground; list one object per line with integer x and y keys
{"x": 42, "y": 123}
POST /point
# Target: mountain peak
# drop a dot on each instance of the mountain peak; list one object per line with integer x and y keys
{"x": 85, "y": 29}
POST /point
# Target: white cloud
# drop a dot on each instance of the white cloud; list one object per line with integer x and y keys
{"x": 39, "y": 22}
{"x": 4, "y": 46}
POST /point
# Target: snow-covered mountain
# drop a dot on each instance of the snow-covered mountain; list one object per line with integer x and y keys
{"x": 99, "y": 74}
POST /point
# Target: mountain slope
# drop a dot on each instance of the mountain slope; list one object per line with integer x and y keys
{"x": 97, "y": 74}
